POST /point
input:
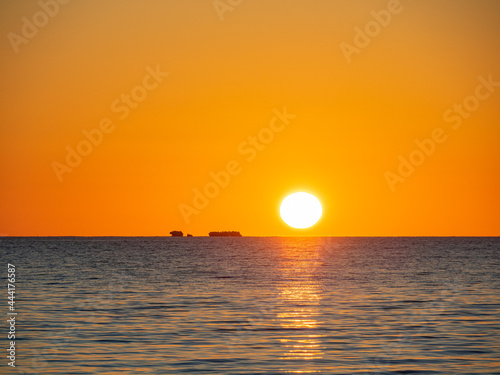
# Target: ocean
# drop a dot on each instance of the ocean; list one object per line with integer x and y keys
{"x": 253, "y": 305}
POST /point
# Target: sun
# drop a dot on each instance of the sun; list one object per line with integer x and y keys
{"x": 301, "y": 210}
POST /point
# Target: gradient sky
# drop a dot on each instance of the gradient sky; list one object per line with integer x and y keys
{"x": 226, "y": 78}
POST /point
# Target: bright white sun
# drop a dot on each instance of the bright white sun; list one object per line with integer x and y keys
{"x": 301, "y": 210}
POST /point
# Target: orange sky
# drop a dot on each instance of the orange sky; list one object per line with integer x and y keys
{"x": 230, "y": 71}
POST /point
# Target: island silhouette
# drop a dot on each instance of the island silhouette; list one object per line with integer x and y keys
{"x": 225, "y": 234}
{"x": 178, "y": 233}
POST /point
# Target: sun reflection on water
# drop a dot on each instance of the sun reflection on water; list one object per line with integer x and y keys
{"x": 299, "y": 312}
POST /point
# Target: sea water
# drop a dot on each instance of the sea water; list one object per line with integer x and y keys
{"x": 250, "y": 305}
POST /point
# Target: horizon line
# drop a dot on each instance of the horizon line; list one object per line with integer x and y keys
{"x": 250, "y": 236}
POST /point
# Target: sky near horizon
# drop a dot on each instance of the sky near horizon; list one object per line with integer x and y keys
{"x": 143, "y": 117}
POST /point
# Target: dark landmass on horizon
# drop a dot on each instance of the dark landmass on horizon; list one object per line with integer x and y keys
{"x": 225, "y": 234}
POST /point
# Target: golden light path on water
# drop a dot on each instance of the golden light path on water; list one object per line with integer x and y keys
{"x": 299, "y": 310}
